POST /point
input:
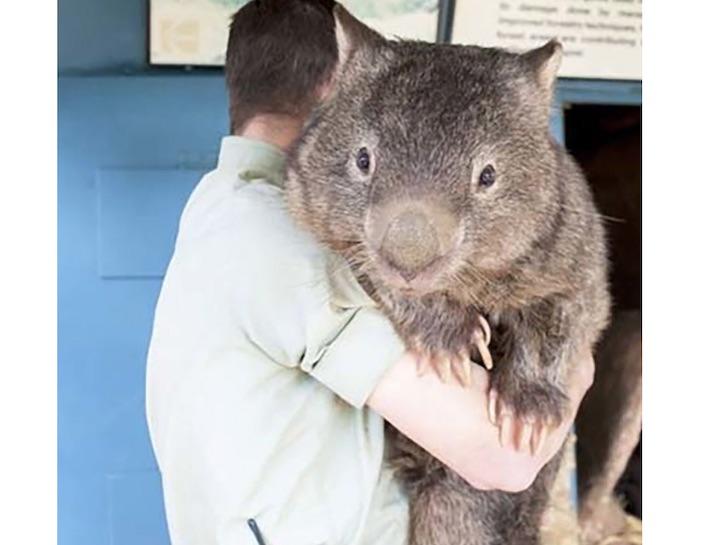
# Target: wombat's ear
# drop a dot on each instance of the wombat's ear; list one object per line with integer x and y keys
{"x": 353, "y": 37}
{"x": 545, "y": 62}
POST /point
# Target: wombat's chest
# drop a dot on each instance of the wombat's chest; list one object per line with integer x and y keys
{"x": 488, "y": 298}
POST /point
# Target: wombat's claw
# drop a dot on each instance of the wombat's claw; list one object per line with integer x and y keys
{"x": 538, "y": 438}
{"x": 442, "y": 366}
{"x": 423, "y": 359}
{"x": 459, "y": 366}
{"x": 426, "y": 362}
{"x": 446, "y": 366}
{"x": 493, "y": 407}
{"x": 423, "y": 363}
{"x": 462, "y": 367}
{"x": 525, "y": 435}
{"x": 481, "y": 339}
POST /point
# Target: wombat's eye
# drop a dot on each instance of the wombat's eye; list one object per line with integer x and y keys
{"x": 362, "y": 160}
{"x": 487, "y": 176}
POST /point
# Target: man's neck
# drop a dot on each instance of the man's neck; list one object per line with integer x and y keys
{"x": 280, "y": 131}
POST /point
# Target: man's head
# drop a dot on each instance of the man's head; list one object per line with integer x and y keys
{"x": 280, "y": 54}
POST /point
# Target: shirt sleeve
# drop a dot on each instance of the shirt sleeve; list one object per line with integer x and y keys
{"x": 296, "y": 302}
{"x": 352, "y": 364}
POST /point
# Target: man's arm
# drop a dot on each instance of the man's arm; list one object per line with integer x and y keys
{"x": 451, "y": 422}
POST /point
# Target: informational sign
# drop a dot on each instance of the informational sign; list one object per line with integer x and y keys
{"x": 194, "y": 32}
{"x": 601, "y": 38}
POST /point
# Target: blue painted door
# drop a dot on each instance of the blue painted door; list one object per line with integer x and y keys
{"x": 130, "y": 151}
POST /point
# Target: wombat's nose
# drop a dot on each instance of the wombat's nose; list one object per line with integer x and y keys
{"x": 411, "y": 235}
{"x": 410, "y": 243}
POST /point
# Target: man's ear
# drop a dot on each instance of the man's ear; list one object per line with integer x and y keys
{"x": 353, "y": 38}
{"x": 544, "y": 63}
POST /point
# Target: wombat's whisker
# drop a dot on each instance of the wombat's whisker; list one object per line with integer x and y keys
{"x": 593, "y": 214}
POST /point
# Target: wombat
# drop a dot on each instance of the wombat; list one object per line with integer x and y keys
{"x": 431, "y": 170}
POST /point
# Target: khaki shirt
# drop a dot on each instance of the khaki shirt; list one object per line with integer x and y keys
{"x": 263, "y": 354}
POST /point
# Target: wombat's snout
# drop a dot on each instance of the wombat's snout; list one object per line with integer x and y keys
{"x": 412, "y": 236}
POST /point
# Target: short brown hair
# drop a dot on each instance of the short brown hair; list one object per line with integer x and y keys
{"x": 279, "y": 53}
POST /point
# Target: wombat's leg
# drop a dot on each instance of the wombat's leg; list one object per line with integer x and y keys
{"x": 527, "y": 396}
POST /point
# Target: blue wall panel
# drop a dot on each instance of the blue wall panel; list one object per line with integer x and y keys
{"x": 130, "y": 150}
{"x": 137, "y": 218}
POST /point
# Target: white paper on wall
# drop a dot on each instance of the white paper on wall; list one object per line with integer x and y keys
{"x": 601, "y": 38}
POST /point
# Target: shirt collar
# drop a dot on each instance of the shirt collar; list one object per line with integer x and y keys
{"x": 252, "y": 159}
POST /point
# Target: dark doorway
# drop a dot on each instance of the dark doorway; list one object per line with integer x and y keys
{"x": 606, "y": 141}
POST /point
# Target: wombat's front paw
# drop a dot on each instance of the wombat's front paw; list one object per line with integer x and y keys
{"x": 445, "y": 364}
{"x": 449, "y": 355}
{"x": 524, "y": 411}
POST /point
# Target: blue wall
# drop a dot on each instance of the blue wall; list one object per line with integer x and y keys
{"x": 130, "y": 151}
{"x": 132, "y": 143}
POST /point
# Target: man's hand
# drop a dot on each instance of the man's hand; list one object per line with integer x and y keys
{"x": 452, "y": 423}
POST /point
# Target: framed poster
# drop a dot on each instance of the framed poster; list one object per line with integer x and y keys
{"x": 194, "y": 32}
{"x": 601, "y": 39}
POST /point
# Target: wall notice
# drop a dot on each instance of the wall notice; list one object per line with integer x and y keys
{"x": 601, "y": 38}
{"x": 194, "y": 32}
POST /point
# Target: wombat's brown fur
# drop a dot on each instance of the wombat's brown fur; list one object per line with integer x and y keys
{"x": 430, "y": 168}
